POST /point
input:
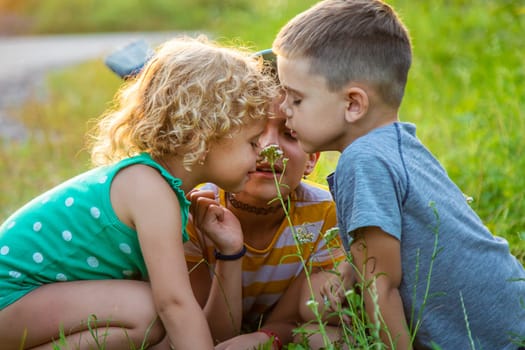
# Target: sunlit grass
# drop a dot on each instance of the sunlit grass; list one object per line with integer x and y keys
{"x": 466, "y": 92}
{"x": 54, "y": 150}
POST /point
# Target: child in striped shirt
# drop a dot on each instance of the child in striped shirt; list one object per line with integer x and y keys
{"x": 247, "y": 263}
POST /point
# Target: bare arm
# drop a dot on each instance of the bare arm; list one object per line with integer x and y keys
{"x": 154, "y": 211}
{"x": 282, "y": 321}
{"x": 222, "y": 295}
{"x": 285, "y": 315}
{"x": 377, "y": 258}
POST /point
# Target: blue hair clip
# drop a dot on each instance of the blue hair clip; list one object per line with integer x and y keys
{"x": 267, "y": 55}
{"x": 128, "y": 60}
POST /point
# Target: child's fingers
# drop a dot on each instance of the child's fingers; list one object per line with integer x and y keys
{"x": 215, "y": 213}
{"x": 340, "y": 292}
{"x": 327, "y": 286}
{"x": 333, "y": 294}
{"x": 333, "y": 302}
{"x": 199, "y": 208}
{"x": 195, "y": 194}
{"x": 207, "y": 221}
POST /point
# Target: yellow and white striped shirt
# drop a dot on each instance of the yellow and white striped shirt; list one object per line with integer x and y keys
{"x": 267, "y": 273}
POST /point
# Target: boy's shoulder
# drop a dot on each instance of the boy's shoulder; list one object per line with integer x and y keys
{"x": 381, "y": 140}
{"x": 376, "y": 141}
{"x": 381, "y": 152}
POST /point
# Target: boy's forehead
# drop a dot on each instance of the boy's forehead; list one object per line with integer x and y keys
{"x": 291, "y": 71}
{"x": 290, "y": 67}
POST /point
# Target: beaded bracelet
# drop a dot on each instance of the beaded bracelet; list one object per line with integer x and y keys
{"x": 220, "y": 256}
{"x": 276, "y": 341}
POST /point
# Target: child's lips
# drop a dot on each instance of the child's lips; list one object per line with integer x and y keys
{"x": 262, "y": 175}
{"x": 266, "y": 168}
{"x": 267, "y": 173}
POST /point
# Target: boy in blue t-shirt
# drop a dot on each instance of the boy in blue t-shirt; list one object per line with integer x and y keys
{"x": 440, "y": 277}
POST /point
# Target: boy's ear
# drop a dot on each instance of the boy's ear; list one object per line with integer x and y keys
{"x": 311, "y": 162}
{"x": 357, "y": 104}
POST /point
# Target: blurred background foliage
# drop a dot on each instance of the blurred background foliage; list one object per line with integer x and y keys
{"x": 253, "y": 21}
{"x": 466, "y": 89}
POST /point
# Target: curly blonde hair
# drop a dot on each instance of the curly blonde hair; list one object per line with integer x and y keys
{"x": 190, "y": 93}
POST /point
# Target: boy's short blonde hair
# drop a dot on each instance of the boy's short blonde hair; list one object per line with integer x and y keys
{"x": 190, "y": 93}
{"x": 351, "y": 41}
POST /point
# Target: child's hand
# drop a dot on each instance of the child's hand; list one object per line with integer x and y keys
{"x": 216, "y": 222}
{"x": 333, "y": 290}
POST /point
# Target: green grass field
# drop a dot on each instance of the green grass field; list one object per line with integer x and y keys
{"x": 466, "y": 90}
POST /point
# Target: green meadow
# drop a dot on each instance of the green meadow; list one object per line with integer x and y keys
{"x": 466, "y": 91}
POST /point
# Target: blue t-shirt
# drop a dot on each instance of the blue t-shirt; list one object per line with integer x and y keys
{"x": 388, "y": 179}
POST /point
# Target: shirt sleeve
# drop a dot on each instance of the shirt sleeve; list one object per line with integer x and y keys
{"x": 369, "y": 192}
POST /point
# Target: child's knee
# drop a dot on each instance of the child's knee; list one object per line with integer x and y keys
{"x": 146, "y": 323}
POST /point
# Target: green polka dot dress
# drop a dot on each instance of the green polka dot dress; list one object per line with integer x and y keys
{"x": 72, "y": 233}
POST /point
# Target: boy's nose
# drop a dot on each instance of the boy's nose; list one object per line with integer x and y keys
{"x": 285, "y": 108}
{"x": 287, "y": 124}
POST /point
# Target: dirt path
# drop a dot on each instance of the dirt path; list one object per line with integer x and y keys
{"x": 24, "y": 61}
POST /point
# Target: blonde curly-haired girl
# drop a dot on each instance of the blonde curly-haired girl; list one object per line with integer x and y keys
{"x": 100, "y": 257}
